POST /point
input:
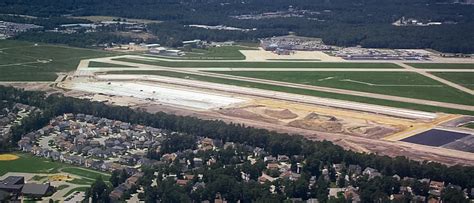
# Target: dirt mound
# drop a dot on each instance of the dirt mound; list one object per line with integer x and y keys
{"x": 318, "y": 122}
{"x": 333, "y": 127}
{"x": 241, "y": 113}
{"x": 282, "y": 114}
{"x": 315, "y": 116}
{"x": 375, "y": 132}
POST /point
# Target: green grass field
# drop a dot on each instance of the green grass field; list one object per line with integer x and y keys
{"x": 404, "y": 84}
{"x": 31, "y": 164}
{"x": 96, "y": 64}
{"x": 25, "y": 162}
{"x": 464, "y": 79}
{"x": 206, "y": 64}
{"x": 299, "y": 91}
{"x": 442, "y": 65}
{"x": 24, "y": 61}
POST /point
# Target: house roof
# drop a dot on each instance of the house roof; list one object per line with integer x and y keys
{"x": 12, "y": 182}
{"x": 35, "y": 189}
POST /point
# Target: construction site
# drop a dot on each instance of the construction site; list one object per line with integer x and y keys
{"x": 359, "y": 126}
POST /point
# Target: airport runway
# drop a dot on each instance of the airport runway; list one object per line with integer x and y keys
{"x": 293, "y": 85}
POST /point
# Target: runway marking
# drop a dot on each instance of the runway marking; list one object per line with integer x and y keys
{"x": 388, "y": 85}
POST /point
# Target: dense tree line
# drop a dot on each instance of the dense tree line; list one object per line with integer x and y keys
{"x": 76, "y": 39}
{"x": 338, "y": 22}
{"x": 317, "y": 153}
{"x": 47, "y": 23}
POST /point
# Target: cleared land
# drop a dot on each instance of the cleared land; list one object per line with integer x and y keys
{"x": 24, "y": 61}
{"x": 464, "y": 79}
{"x": 404, "y": 84}
{"x": 296, "y": 91}
{"x": 442, "y": 65}
{"x": 192, "y": 99}
{"x": 242, "y": 64}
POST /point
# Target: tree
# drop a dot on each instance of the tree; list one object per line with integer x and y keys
{"x": 99, "y": 191}
{"x": 451, "y": 194}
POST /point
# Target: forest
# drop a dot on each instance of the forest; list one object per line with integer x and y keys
{"x": 338, "y": 22}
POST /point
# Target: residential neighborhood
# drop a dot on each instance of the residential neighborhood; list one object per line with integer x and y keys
{"x": 113, "y": 146}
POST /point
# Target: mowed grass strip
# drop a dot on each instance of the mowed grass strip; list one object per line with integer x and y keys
{"x": 222, "y": 64}
{"x": 403, "y": 84}
{"x": 97, "y": 64}
{"x": 24, "y": 61}
{"x": 464, "y": 79}
{"x": 299, "y": 91}
{"x": 442, "y": 65}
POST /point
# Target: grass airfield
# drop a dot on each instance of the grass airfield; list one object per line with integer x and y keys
{"x": 25, "y": 61}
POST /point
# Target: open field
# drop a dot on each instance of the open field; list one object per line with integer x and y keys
{"x": 405, "y": 84}
{"x": 297, "y": 91}
{"x": 45, "y": 166}
{"x": 24, "y": 61}
{"x": 287, "y": 64}
{"x": 442, "y": 65}
{"x": 464, "y": 79}
{"x": 25, "y": 163}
